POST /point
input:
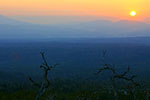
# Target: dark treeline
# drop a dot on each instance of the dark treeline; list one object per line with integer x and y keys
{"x": 120, "y": 86}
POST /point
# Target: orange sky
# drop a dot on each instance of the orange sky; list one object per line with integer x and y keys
{"x": 112, "y": 8}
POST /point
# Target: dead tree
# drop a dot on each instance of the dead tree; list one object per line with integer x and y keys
{"x": 45, "y": 82}
{"x": 116, "y": 75}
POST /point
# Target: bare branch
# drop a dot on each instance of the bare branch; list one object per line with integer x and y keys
{"x": 115, "y": 76}
{"x": 107, "y": 67}
{"x": 45, "y": 83}
{"x": 126, "y": 72}
{"x": 44, "y": 60}
{"x": 53, "y": 66}
{"x": 34, "y": 83}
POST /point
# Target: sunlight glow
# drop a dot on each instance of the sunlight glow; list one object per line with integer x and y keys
{"x": 133, "y": 13}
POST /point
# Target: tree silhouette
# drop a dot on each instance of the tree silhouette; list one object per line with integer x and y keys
{"x": 45, "y": 82}
{"x": 116, "y": 75}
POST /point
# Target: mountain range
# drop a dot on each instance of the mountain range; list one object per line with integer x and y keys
{"x": 12, "y": 28}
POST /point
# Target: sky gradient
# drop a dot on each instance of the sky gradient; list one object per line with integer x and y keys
{"x": 111, "y": 8}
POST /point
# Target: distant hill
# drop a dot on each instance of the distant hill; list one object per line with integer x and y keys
{"x": 9, "y": 21}
{"x": 10, "y": 28}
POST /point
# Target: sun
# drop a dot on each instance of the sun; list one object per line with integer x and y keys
{"x": 133, "y": 13}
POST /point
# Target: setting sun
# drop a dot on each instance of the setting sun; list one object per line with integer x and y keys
{"x": 133, "y": 13}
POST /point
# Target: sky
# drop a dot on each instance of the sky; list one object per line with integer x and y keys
{"x": 111, "y": 8}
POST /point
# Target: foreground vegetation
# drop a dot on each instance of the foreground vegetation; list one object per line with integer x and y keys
{"x": 120, "y": 87}
{"x": 71, "y": 90}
